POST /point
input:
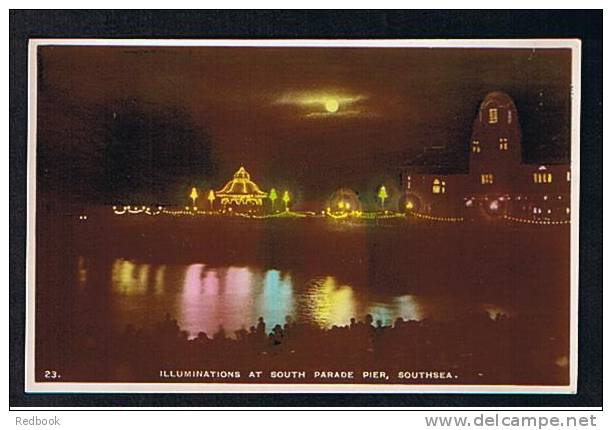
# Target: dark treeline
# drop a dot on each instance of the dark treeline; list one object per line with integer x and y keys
{"x": 123, "y": 150}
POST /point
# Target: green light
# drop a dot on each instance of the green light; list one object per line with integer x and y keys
{"x": 273, "y": 196}
{"x": 382, "y": 195}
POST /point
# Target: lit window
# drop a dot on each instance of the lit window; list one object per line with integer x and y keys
{"x": 542, "y": 178}
{"x": 486, "y": 178}
{"x": 569, "y": 176}
{"x": 493, "y": 116}
{"x": 509, "y": 117}
{"x": 476, "y": 146}
{"x": 438, "y": 186}
{"x": 503, "y": 143}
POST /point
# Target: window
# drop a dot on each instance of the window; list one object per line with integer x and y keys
{"x": 509, "y": 117}
{"x": 542, "y": 178}
{"x": 503, "y": 143}
{"x": 438, "y": 186}
{"x": 476, "y": 146}
{"x": 493, "y": 116}
{"x": 569, "y": 176}
{"x": 486, "y": 178}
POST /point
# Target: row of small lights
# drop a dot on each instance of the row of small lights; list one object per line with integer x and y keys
{"x": 191, "y": 211}
{"x": 546, "y": 197}
{"x": 436, "y": 218}
{"x": 137, "y": 210}
{"x": 532, "y": 221}
{"x": 134, "y": 210}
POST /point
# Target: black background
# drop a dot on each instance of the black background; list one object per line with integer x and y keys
{"x": 584, "y": 25}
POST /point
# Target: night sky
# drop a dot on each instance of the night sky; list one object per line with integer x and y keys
{"x": 119, "y": 124}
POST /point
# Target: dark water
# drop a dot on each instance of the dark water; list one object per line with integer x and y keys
{"x": 229, "y": 274}
{"x": 96, "y": 278}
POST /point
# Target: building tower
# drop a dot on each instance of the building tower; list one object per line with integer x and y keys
{"x": 495, "y": 147}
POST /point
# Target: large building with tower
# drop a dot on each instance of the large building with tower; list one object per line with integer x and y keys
{"x": 498, "y": 184}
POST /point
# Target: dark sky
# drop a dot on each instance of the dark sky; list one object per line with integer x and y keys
{"x": 122, "y": 123}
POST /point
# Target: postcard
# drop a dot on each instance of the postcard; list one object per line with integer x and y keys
{"x": 303, "y": 216}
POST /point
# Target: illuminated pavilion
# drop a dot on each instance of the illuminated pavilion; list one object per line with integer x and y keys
{"x": 241, "y": 191}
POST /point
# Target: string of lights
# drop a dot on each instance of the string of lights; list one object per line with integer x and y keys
{"x": 436, "y": 218}
{"x": 533, "y": 221}
{"x": 193, "y": 211}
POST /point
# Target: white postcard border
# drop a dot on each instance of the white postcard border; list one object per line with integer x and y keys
{"x": 31, "y": 386}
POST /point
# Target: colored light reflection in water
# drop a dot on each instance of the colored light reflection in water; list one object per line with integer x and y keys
{"x": 203, "y": 298}
{"x": 408, "y": 308}
{"x": 330, "y": 304}
{"x": 212, "y": 298}
{"x": 276, "y": 301}
{"x": 381, "y": 312}
{"x": 199, "y": 301}
{"x": 495, "y": 311}
{"x": 405, "y": 307}
{"x": 158, "y": 287}
{"x": 238, "y": 298}
{"x": 128, "y": 278}
{"x": 81, "y": 272}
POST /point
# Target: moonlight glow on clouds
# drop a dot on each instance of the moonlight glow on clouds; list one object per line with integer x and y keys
{"x": 324, "y": 104}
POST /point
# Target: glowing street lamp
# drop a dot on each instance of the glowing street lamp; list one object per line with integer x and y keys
{"x": 194, "y": 195}
{"x": 382, "y": 195}
{"x": 286, "y": 199}
{"x": 211, "y": 198}
{"x": 273, "y": 196}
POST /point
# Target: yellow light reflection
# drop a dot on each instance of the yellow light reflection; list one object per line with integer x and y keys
{"x": 158, "y": 288}
{"x": 128, "y": 278}
{"x": 331, "y": 105}
{"x": 82, "y": 272}
{"x": 330, "y": 304}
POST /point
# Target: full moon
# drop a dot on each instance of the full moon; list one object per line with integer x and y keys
{"x": 331, "y": 105}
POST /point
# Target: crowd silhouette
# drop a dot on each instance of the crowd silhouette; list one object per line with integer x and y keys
{"x": 476, "y": 349}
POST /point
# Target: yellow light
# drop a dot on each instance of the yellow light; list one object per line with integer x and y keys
{"x": 331, "y": 105}
{"x": 193, "y": 195}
